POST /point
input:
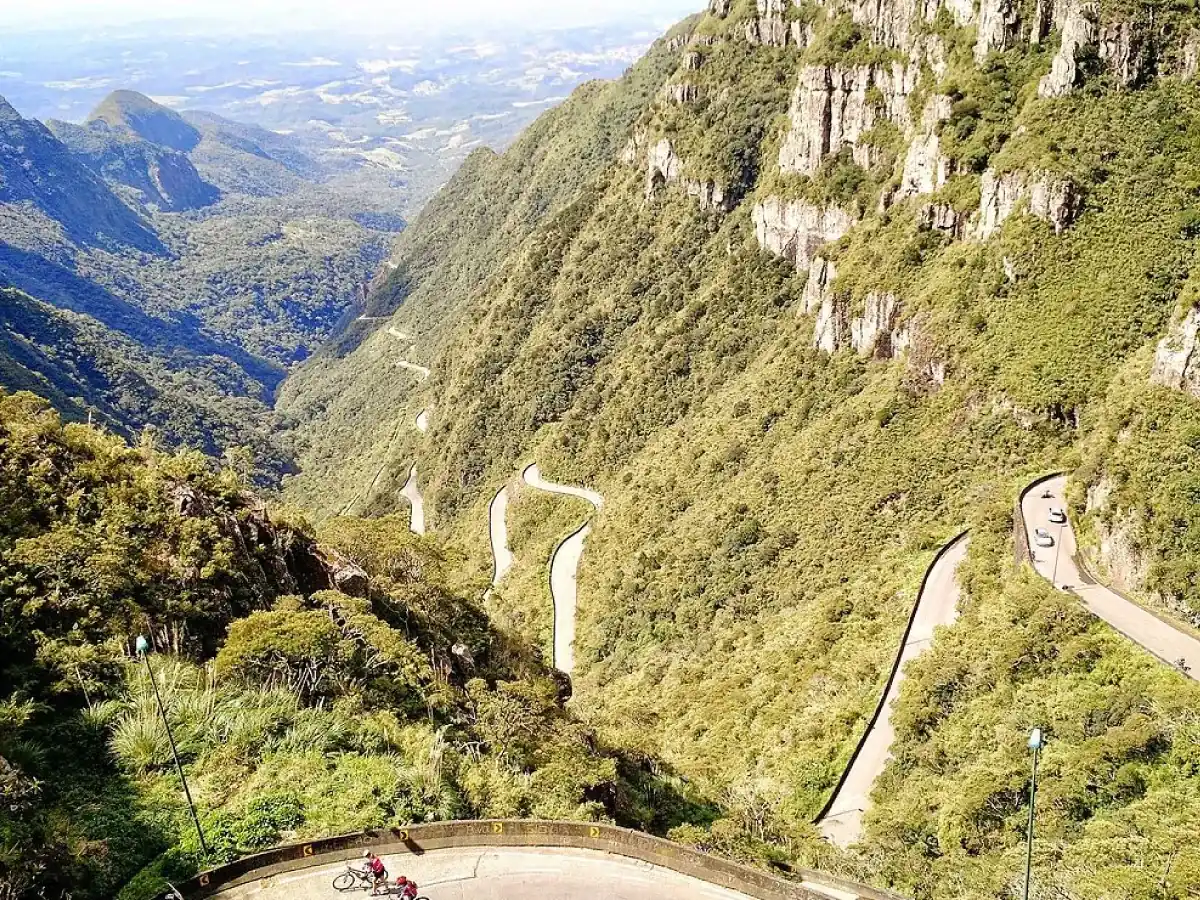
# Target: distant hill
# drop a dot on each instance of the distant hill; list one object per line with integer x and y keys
{"x": 38, "y": 171}
{"x": 129, "y": 111}
{"x": 162, "y": 177}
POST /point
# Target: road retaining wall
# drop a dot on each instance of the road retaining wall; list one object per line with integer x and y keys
{"x": 419, "y": 839}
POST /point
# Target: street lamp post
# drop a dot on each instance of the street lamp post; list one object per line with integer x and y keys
{"x": 1035, "y": 744}
{"x": 143, "y": 650}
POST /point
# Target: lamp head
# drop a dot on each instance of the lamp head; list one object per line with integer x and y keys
{"x": 141, "y": 645}
{"x": 1035, "y": 739}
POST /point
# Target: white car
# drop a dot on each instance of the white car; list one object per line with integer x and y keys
{"x": 1057, "y": 516}
{"x": 1042, "y": 538}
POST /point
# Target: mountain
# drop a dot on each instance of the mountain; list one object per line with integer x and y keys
{"x": 191, "y": 303}
{"x": 160, "y": 176}
{"x": 810, "y": 291}
{"x": 132, "y": 113}
{"x": 39, "y": 172}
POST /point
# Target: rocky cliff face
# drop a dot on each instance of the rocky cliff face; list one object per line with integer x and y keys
{"x": 1176, "y": 364}
{"x": 796, "y": 229}
{"x": 834, "y": 106}
{"x": 1052, "y": 198}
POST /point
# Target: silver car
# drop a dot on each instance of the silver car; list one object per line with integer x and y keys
{"x": 1042, "y": 538}
{"x": 1057, "y": 516}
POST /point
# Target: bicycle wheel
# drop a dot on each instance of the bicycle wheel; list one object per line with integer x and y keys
{"x": 344, "y": 882}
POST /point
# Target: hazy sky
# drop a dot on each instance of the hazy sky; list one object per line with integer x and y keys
{"x": 355, "y": 15}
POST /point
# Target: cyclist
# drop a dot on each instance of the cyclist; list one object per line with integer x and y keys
{"x": 377, "y": 871}
{"x": 408, "y": 888}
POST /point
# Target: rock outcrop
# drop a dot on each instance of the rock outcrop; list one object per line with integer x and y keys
{"x": 833, "y": 106}
{"x": 898, "y": 24}
{"x": 1176, "y": 363}
{"x": 871, "y": 334}
{"x": 770, "y": 28}
{"x": 942, "y": 217}
{"x": 681, "y": 93}
{"x": 1052, "y": 198}
{"x": 925, "y": 168}
{"x": 1077, "y": 22}
{"x": 719, "y": 8}
{"x": 663, "y": 167}
{"x": 1123, "y": 51}
{"x": 999, "y": 27}
{"x": 796, "y": 229}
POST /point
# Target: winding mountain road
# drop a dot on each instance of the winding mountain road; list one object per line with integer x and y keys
{"x": 1058, "y": 565}
{"x": 937, "y": 604}
{"x": 412, "y": 493}
{"x": 422, "y": 422}
{"x": 542, "y": 873}
{"x": 502, "y": 558}
{"x": 564, "y": 568}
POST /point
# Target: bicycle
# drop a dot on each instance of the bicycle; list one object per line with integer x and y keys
{"x": 355, "y": 879}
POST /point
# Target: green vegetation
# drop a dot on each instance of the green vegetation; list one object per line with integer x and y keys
{"x": 770, "y": 509}
{"x": 298, "y": 709}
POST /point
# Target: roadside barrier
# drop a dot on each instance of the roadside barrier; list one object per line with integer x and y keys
{"x": 418, "y": 839}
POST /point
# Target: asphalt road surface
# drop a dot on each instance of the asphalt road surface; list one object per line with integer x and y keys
{"x": 412, "y": 493}
{"x": 937, "y": 605}
{"x": 1057, "y": 565}
{"x": 501, "y": 874}
{"x": 564, "y": 570}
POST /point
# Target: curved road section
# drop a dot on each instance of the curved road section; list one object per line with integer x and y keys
{"x": 502, "y": 874}
{"x": 564, "y": 569}
{"x": 937, "y": 604}
{"x": 1058, "y": 566}
{"x": 502, "y": 558}
{"x": 412, "y": 494}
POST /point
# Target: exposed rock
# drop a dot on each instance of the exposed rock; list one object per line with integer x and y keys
{"x": 819, "y": 287}
{"x": 663, "y": 166}
{"x": 719, "y": 8}
{"x": 796, "y": 229}
{"x": 999, "y": 195}
{"x": 832, "y": 326}
{"x": 703, "y": 40}
{"x": 1191, "y": 56}
{"x": 802, "y": 34}
{"x": 1052, "y": 198}
{"x": 711, "y": 195}
{"x": 677, "y": 43}
{"x": 770, "y": 28}
{"x": 942, "y": 217}
{"x": 1040, "y": 23}
{"x": 283, "y": 561}
{"x": 1123, "y": 52}
{"x": 1176, "y": 364}
{"x": 932, "y": 51}
{"x": 681, "y": 93}
{"x": 693, "y": 61}
{"x": 833, "y": 107}
{"x": 1077, "y": 22}
{"x": 635, "y": 149}
{"x": 925, "y": 168}
{"x": 870, "y": 333}
{"x": 999, "y": 27}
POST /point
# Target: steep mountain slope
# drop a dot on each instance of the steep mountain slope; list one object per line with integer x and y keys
{"x": 311, "y": 687}
{"x": 162, "y": 177}
{"x": 134, "y": 113}
{"x": 194, "y": 303}
{"x": 859, "y": 272}
{"x": 38, "y": 172}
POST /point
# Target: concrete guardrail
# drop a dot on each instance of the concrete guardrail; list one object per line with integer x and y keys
{"x": 418, "y": 839}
